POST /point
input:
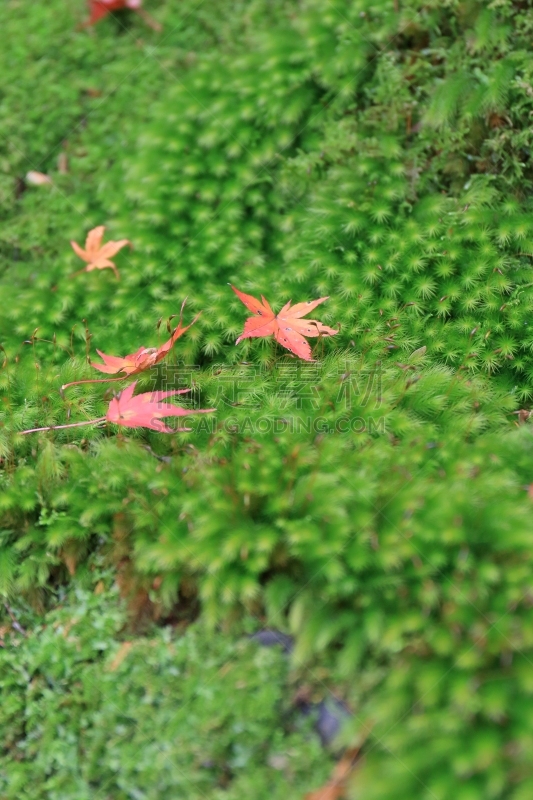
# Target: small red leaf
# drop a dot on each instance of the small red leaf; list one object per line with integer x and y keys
{"x": 101, "y": 8}
{"x": 144, "y": 357}
{"x": 147, "y": 410}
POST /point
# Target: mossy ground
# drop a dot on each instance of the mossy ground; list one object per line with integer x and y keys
{"x": 374, "y": 504}
{"x": 89, "y": 711}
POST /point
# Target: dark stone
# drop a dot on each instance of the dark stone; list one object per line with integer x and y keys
{"x": 269, "y": 638}
{"x": 331, "y": 715}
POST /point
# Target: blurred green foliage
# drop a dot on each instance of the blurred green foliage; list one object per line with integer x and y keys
{"x": 374, "y": 504}
{"x": 87, "y": 712}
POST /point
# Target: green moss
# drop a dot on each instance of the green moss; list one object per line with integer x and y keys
{"x": 374, "y": 503}
{"x": 88, "y": 711}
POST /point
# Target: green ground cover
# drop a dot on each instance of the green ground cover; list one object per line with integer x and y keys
{"x": 375, "y": 503}
{"x": 89, "y": 713}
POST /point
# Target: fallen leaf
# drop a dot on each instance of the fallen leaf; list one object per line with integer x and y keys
{"x": 287, "y": 327}
{"x": 99, "y": 9}
{"x": 37, "y": 178}
{"x": 335, "y": 788}
{"x": 331, "y": 791}
{"x": 62, "y": 163}
{"x": 97, "y": 255}
{"x": 142, "y": 411}
{"x": 70, "y": 561}
{"x": 147, "y": 410}
{"x": 144, "y": 357}
{"x": 68, "y": 626}
{"x": 120, "y": 655}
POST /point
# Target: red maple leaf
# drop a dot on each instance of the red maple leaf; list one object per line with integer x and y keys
{"x": 144, "y": 357}
{"x": 97, "y": 255}
{"x": 101, "y": 8}
{"x": 147, "y": 410}
{"x": 132, "y": 364}
{"x": 287, "y": 327}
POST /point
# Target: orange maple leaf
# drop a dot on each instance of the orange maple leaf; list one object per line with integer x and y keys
{"x": 147, "y": 410}
{"x": 144, "y": 357}
{"x": 287, "y": 327}
{"x": 97, "y": 255}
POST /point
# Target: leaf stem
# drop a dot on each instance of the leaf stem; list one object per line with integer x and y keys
{"x": 70, "y": 425}
{"x": 91, "y": 380}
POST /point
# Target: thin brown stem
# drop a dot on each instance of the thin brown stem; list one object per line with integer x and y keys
{"x": 91, "y": 380}
{"x": 60, "y": 427}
